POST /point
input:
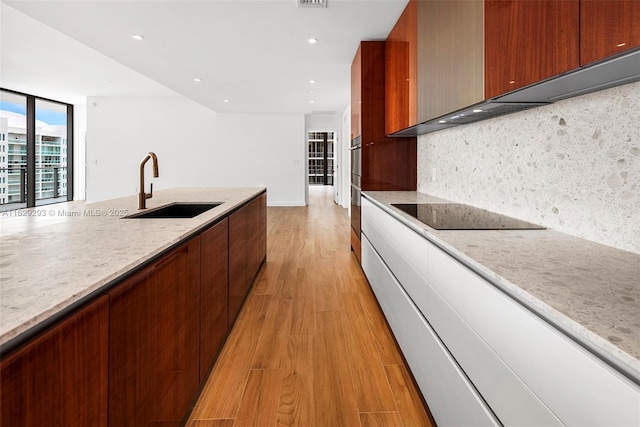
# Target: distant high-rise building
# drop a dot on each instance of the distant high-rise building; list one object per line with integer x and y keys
{"x": 50, "y": 159}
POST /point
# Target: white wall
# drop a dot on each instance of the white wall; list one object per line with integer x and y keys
{"x": 573, "y": 166}
{"x": 195, "y": 147}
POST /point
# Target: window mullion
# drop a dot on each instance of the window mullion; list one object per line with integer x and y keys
{"x": 31, "y": 151}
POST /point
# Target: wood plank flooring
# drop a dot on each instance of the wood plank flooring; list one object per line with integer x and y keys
{"x": 310, "y": 346}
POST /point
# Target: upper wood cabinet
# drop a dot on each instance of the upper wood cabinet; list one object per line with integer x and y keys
{"x": 462, "y": 52}
{"x": 368, "y": 92}
{"x": 60, "y": 377}
{"x": 434, "y": 61}
{"x": 356, "y": 95}
{"x": 608, "y": 27}
{"x": 401, "y": 71}
{"x": 450, "y": 61}
{"x": 388, "y": 164}
{"x": 528, "y": 41}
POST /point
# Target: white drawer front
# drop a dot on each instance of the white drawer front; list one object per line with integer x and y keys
{"x": 403, "y": 250}
{"x": 507, "y": 395}
{"x": 509, "y": 398}
{"x": 452, "y": 399}
{"x": 580, "y": 389}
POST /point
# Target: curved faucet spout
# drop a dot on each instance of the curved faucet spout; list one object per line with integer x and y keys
{"x": 142, "y": 196}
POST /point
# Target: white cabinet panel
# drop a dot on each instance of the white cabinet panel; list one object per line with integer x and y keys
{"x": 507, "y": 395}
{"x": 452, "y": 399}
{"x": 527, "y": 371}
{"x": 406, "y": 254}
{"x": 403, "y": 250}
{"x": 579, "y": 388}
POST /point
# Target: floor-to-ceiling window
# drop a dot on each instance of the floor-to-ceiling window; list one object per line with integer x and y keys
{"x": 36, "y": 149}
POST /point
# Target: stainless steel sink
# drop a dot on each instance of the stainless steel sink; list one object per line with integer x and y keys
{"x": 175, "y": 210}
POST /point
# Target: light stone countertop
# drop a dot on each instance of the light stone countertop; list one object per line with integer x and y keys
{"x": 588, "y": 290}
{"x": 61, "y": 253}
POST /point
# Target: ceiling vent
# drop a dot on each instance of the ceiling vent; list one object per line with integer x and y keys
{"x": 312, "y": 3}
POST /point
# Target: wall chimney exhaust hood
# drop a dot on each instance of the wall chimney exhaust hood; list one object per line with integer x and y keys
{"x": 613, "y": 72}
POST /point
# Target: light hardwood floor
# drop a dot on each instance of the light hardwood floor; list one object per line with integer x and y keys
{"x": 310, "y": 346}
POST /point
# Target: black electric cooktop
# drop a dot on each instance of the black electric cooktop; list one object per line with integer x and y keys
{"x": 455, "y": 216}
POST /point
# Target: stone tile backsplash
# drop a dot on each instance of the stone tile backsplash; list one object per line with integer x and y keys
{"x": 573, "y": 166}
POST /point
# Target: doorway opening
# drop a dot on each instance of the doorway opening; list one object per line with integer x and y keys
{"x": 321, "y": 151}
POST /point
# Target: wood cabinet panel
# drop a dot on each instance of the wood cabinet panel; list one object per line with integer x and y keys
{"x": 450, "y": 56}
{"x": 60, "y": 377}
{"x": 247, "y": 250}
{"x": 238, "y": 274}
{"x": 261, "y": 246}
{"x": 372, "y": 87}
{"x": 356, "y": 95}
{"x": 401, "y": 72}
{"x": 154, "y": 341}
{"x": 356, "y": 245}
{"x": 608, "y": 27}
{"x": 528, "y": 41}
{"x": 214, "y": 293}
{"x": 389, "y": 164}
{"x": 252, "y": 237}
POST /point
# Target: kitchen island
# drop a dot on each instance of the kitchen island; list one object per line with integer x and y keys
{"x": 123, "y": 291}
{"x": 532, "y": 323}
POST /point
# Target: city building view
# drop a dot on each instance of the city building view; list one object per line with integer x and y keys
{"x": 50, "y": 156}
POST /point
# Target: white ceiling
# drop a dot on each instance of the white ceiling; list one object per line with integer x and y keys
{"x": 253, "y": 53}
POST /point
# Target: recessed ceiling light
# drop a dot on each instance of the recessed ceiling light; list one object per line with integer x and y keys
{"x": 313, "y": 40}
{"x": 226, "y": 101}
{"x": 197, "y": 80}
{"x": 312, "y": 102}
{"x": 137, "y": 36}
{"x": 311, "y": 91}
{"x": 312, "y": 81}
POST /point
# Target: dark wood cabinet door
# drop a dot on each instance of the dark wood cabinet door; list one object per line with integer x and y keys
{"x": 368, "y": 91}
{"x": 262, "y": 229}
{"x": 60, "y": 377}
{"x": 238, "y": 272}
{"x": 154, "y": 341}
{"x": 356, "y": 94}
{"x": 389, "y": 164}
{"x": 401, "y": 72}
{"x": 214, "y": 280}
{"x": 253, "y": 242}
{"x": 372, "y": 90}
{"x": 528, "y": 41}
{"x": 247, "y": 250}
{"x": 608, "y": 27}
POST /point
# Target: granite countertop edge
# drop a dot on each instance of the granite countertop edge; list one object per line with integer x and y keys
{"x": 575, "y": 330}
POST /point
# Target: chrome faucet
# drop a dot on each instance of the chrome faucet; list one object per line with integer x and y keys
{"x": 142, "y": 196}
